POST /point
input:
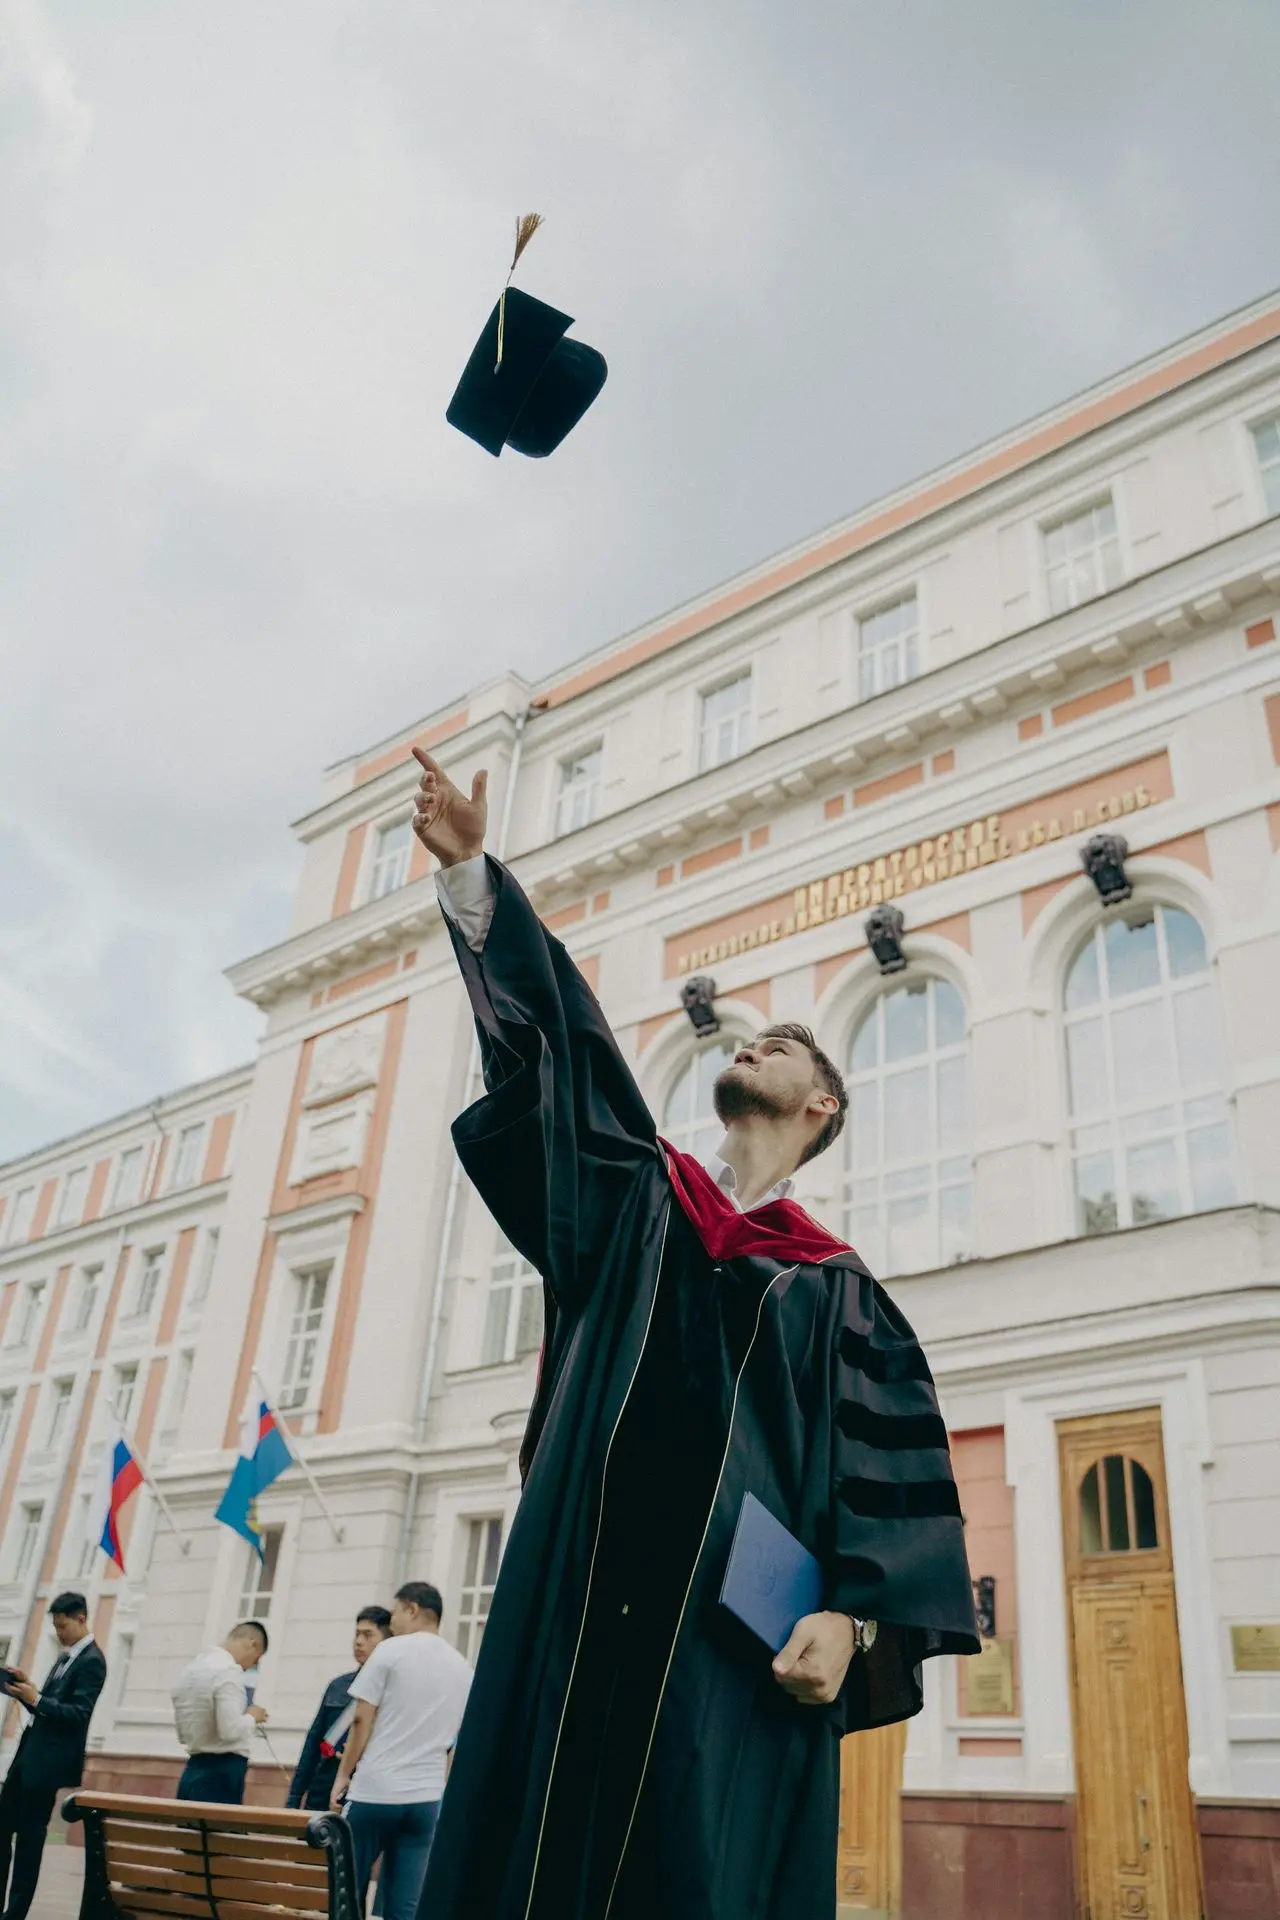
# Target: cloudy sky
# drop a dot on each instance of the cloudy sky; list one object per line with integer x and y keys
{"x": 244, "y": 251}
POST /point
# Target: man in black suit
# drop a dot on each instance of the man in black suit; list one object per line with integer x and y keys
{"x": 50, "y": 1753}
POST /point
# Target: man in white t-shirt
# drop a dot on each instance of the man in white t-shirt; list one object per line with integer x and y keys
{"x": 409, "y": 1695}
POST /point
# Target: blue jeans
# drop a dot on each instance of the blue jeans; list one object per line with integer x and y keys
{"x": 402, "y": 1836}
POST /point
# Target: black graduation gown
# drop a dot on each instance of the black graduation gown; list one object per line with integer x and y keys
{"x": 626, "y": 1752}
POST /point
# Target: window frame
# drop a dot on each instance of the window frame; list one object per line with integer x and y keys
{"x": 28, "y": 1539}
{"x": 119, "y": 1372}
{"x": 8, "y": 1407}
{"x": 300, "y": 1273}
{"x": 62, "y": 1393}
{"x": 210, "y": 1241}
{"x": 118, "y": 1203}
{"x": 15, "y": 1214}
{"x": 522, "y": 1280}
{"x": 62, "y": 1219}
{"x": 742, "y": 719}
{"x": 928, "y": 978}
{"x": 1119, "y": 1112}
{"x": 89, "y": 1280}
{"x": 34, "y": 1298}
{"x": 251, "y": 1590}
{"x": 873, "y": 609}
{"x": 1062, "y": 515}
{"x": 149, "y": 1282}
{"x": 565, "y": 789}
{"x": 387, "y": 823}
{"x": 1253, "y": 427}
{"x": 471, "y": 1619}
{"x": 177, "y": 1181}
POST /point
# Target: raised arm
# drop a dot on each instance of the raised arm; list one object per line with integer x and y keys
{"x": 562, "y": 1129}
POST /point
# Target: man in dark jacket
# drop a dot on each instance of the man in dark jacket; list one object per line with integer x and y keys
{"x": 317, "y": 1767}
{"x": 50, "y": 1754}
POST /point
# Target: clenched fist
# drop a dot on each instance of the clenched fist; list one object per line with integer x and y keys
{"x": 448, "y": 824}
{"x": 812, "y": 1665}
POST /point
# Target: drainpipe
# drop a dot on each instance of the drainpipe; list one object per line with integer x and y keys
{"x": 444, "y": 1250}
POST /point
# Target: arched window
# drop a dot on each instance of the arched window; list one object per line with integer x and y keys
{"x": 1150, "y": 1136}
{"x": 689, "y": 1117}
{"x": 1117, "y": 1507}
{"x": 908, "y": 1157}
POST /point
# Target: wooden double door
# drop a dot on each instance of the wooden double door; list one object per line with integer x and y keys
{"x": 1137, "y": 1847}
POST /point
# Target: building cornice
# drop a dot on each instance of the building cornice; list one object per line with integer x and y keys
{"x": 1188, "y": 596}
{"x": 156, "y": 1114}
{"x": 68, "y": 1241}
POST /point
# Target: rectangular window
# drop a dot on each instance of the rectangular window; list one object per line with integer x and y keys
{"x": 204, "y": 1272}
{"x": 178, "y": 1392}
{"x": 260, "y": 1577}
{"x": 8, "y": 1400}
{"x": 480, "y": 1573}
{"x": 578, "y": 800}
{"x": 86, "y": 1549}
{"x": 1082, "y": 555}
{"x": 888, "y": 646}
{"x": 124, "y": 1389}
{"x": 1266, "y": 441}
{"x": 392, "y": 850}
{"x": 59, "y": 1412}
{"x": 128, "y": 1181}
{"x": 148, "y": 1283}
{"x": 27, "y": 1539}
{"x": 725, "y": 728}
{"x": 71, "y": 1205}
{"x": 121, "y": 1661}
{"x": 187, "y": 1156}
{"x": 513, "y": 1323}
{"x": 311, "y": 1287}
{"x": 21, "y": 1208}
{"x": 86, "y": 1298}
{"x": 27, "y": 1316}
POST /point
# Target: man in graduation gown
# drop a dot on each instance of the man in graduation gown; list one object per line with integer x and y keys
{"x": 630, "y": 1750}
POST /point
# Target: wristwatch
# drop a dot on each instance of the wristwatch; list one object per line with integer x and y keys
{"x": 864, "y": 1634}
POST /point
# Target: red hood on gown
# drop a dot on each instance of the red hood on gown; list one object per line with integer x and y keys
{"x": 781, "y": 1230}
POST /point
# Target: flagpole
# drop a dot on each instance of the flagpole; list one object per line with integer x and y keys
{"x": 183, "y": 1539}
{"x": 337, "y": 1531}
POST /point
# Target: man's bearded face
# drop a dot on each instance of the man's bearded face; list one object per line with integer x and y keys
{"x": 769, "y": 1077}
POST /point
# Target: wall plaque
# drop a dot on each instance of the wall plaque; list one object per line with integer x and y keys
{"x": 988, "y": 1678}
{"x": 1256, "y": 1649}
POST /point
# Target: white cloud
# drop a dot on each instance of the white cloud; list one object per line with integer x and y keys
{"x": 243, "y": 255}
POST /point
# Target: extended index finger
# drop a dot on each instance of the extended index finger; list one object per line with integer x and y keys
{"x": 425, "y": 761}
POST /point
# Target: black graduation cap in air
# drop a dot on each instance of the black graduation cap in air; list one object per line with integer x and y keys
{"x": 525, "y": 386}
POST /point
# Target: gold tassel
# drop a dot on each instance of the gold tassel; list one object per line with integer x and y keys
{"x": 527, "y": 225}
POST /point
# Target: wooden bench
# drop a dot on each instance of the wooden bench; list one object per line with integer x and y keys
{"x": 187, "y": 1857}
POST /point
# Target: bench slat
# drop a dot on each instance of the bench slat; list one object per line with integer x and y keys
{"x": 128, "y": 1881}
{"x": 136, "y": 1902}
{"x": 189, "y": 1839}
{"x": 309, "y": 1872}
{"x": 283, "y": 1820}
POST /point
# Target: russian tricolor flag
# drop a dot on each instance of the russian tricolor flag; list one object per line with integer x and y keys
{"x": 120, "y": 1476}
{"x": 264, "y": 1456}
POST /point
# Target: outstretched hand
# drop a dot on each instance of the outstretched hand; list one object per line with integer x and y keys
{"x": 812, "y": 1665}
{"x": 448, "y": 824}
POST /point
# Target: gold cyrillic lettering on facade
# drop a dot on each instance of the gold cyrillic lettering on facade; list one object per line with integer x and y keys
{"x": 889, "y": 876}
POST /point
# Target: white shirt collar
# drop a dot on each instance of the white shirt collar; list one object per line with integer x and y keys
{"x": 69, "y": 1653}
{"x": 727, "y": 1180}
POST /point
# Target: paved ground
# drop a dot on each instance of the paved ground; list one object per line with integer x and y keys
{"x": 58, "y": 1897}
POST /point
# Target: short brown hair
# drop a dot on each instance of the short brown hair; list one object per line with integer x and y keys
{"x": 826, "y": 1074}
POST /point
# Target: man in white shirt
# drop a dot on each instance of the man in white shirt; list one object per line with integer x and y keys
{"x": 409, "y": 1697}
{"x": 214, "y": 1720}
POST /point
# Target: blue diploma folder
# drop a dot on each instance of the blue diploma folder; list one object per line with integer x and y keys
{"x": 771, "y": 1581}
